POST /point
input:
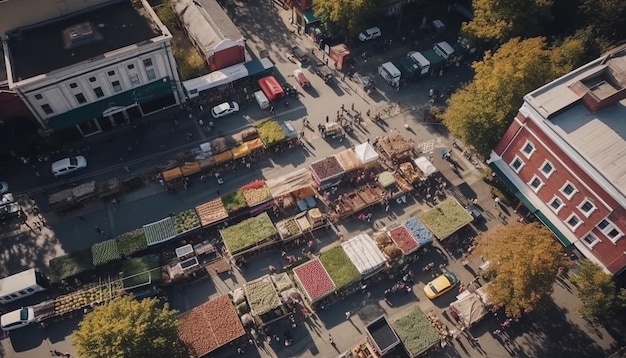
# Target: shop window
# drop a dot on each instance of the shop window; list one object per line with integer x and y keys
{"x": 517, "y": 164}
{"x": 151, "y": 74}
{"x": 117, "y": 87}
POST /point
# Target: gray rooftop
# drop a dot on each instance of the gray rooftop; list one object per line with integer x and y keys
{"x": 581, "y": 108}
{"x": 65, "y": 41}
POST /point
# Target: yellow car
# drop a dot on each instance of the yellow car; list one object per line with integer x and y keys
{"x": 440, "y": 285}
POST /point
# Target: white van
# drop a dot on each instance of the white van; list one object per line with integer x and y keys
{"x": 390, "y": 73}
{"x": 261, "y": 99}
{"x": 17, "y": 319}
{"x": 420, "y": 61}
{"x": 444, "y": 50}
{"x": 21, "y": 285}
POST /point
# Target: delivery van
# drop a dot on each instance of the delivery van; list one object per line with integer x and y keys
{"x": 261, "y": 99}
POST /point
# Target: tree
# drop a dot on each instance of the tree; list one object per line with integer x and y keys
{"x": 606, "y": 17}
{"x": 347, "y": 17}
{"x": 596, "y": 291}
{"x": 499, "y": 21}
{"x": 524, "y": 262}
{"x": 126, "y": 327}
{"x": 480, "y": 112}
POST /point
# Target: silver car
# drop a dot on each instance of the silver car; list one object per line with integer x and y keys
{"x": 68, "y": 165}
{"x": 224, "y": 109}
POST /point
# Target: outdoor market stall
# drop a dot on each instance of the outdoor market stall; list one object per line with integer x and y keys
{"x": 403, "y": 239}
{"x": 446, "y": 218}
{"x": 290, "y": 182}
{"x": 258, "y": 196}
{"x": 416, "y": 332}
{"x": 364, "y": 254}
{"x": 172, "y": 174}
{"x": 240, "y": 151}
{"x": 419, "y": 232}
{"x": 160, "y": 231}
{"x": 410, "y": 173}
{"x": 314, "y": 281}
{"x": 425, "y": 166}
{"x": 211, "y": 212}
{"x": 396, "y": 147}
{"x": 249, "y": 235}
{"x": 211, "y": 326}
{"x": 381, "y": 336}
{"x": 235, "y": 203}
{"x": 186, "y": 222}
{"x": 387, "y": 246}
{"x": 295, "y": 227}
{"x": 366, "y": 153}
{"x": 326, "y": 172}
{"x": 264, "y": 302}
{"x": 348, "y": 160}
{"x": 355, "y": 201}
{"x": 469, "y": 307}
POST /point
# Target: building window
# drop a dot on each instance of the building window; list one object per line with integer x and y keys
{"x": 586, "y": 207}
{"x": 517, "y": 164}
{"x": 573, "y": 222}
{"x": 556, "y": 204}
{"x": 547, "y": 169}
{"x": 535, "y": 183}
{"x": 47, "y": 109}
{"x": 147, "y": 62}
{"x": 591, "y": 240}
{"x": 92, "y": 79}
{"x": 134, "y": 79}
{"x": 130, "y": 67}
{"x": 80, "y": 98}
{"x": 38, "y": 97}
{"x": 98, "y": 92}
{"x": 151, "y": 74}
{"x": 609, "y": 229}
{"x": 111, "y": 73}
{"x": 73, "y": 85}
{"x": 568, "y": 190}
{"x": 117, "y": 87}
{"x": 528, "y": 149}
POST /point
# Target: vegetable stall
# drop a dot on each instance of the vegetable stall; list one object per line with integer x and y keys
{"x": 326, "y": 172}
{"x": 160, "y": 231}
{"x": 257, "y": 196}
{"x": 263, "y": 300}
{"x": 249, "y": 234}
{"x": 211, "y": 212}
{"x": 339, "y": 267}
{"x": 416, "y": 332}
{"x": 446, "y": 218}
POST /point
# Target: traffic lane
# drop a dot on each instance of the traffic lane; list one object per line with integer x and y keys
{"x": 35, "y": 342}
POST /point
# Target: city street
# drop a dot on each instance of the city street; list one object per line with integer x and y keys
{"x": 559, "y": 332}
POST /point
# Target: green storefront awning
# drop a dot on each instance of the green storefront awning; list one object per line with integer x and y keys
{"x": 309, "y": 17}
{"x": 562, "y": 238}
{"x": 142, "y": 94}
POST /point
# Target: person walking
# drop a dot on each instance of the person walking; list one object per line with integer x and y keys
{"x": 496, "y": 202}
{"x": 326, "y": 119}
{"x": 347, "y": 315}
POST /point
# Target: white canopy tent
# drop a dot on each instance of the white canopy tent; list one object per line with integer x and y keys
{"x": 364, "y": 254}
{"x": 425, "y": 166}
{"x": 290, "y": 182}
{"x": 469, "y": 307}
{"x": 366, "y": 152}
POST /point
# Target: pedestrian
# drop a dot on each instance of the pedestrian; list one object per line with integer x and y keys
{"x": 218, "y": 192}
{"x": 326, "y": 119}
{"x": 353, "y": 106}
{"x": 331, "y": 340}
{"x": 348, "y": 315}
{"x": 342, "y": 108}
{"x": 496, "y": 202}
{"x": 98, "y": 230}
{"x": 240, "y": 351}
{"x": 189, "y": 135}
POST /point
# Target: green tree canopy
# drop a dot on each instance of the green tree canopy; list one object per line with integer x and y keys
{"x": 524, "y": 260}
{"x": 606, "y": 17}
{"x": 480, "y": 112}
{"x": 347, "y": 17}
{"x": 499, "y": 21}
{"x": 596, "y": 291}
{"x": 126, "y": 327}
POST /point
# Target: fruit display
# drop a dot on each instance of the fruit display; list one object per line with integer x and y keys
{"x": 105, "y": 252}
{"x": 160, "y": 231}
{"x": 211, "y": 212}
{"x": 141, "y": 271}
{"x": 386, "y": 245}
{"x": 410, "y": 173}
{"x": 234, "y": 201}
{"x": 186, "y": 221}
{"x": 395, "y": 144}
{"x": 248, "y": 233}
{"x": 288, "y": 228}
{"x": 211, "y": 325}
{"x": 84, "y": 297}
{"x": 282, "y": 281}
{"x": 271, "y": 132}
{"x": 262, "y": 296}
{"x": 314, "y": 280}
{"x": 419, "y": 231}
{"x": 256, "y": 193}
{"x": 339, "y": 267}
{"x": 445, "y": 218}
{"x": 71, "y": 264}
{"x": 403, "y": 239}
{"x": 131, "y": 242}
{"x": 416, "y": 332}
{"x": 327, "y": 168}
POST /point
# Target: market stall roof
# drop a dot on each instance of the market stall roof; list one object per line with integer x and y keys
{"x": 211, "y": 325}
{"x": 416, "y": 332}
{"x": 386, "y": 179}
{"x": 211, "y": 212}
{"x": 425, "y": 166}
{"x": 348, "y": 160}
{"x": 314, "y": 280}
{"x": 172, "y": 174}
{"x": 293, "y": 181}
{"x": 366, "y": 152}
{"x": 255, "y": 144}
{"x": 262, "y": 296}
{"x": 364, "y": 254}
{"x": 160, "y": 231}
{"x": 223, "y": 157}
{"x": 469, "y": 307}
{"x": 240, "y": 151}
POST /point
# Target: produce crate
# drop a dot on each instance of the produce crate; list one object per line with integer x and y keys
{"x": 105, "y": 252}
{"x": 186, "y": 221}
{"x": 211, "y": 212}
{"x": 132, "y": 242}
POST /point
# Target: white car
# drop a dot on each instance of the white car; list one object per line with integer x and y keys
{"x": 68, "y": 165}
{"x": 17, "y": 319}
{"x": 224, "y": 109}
{"x": 4, "y": 187}
{"x": 370, "y": 34}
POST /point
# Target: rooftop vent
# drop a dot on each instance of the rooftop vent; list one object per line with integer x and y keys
{"x": 79, "y": 35}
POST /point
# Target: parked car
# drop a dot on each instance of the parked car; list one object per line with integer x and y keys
{"x": 4, "y": 187}
{"x": 224, "y": 109}
{"x": 68, "y": 165}
{"x": 300, "y": 55}
{"x": 17, "y": 319}
{"x": 370, "y": 34}
{"x": 441, "y": 285}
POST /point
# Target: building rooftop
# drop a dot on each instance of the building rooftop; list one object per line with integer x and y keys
{"x": 587, "y": 109}
{"x": 65, "y": 41}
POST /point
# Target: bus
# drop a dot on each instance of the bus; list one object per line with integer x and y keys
{"x": 22, "y": 285}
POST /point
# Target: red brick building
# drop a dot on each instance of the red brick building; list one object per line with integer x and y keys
{"x": 564, "y": 157}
